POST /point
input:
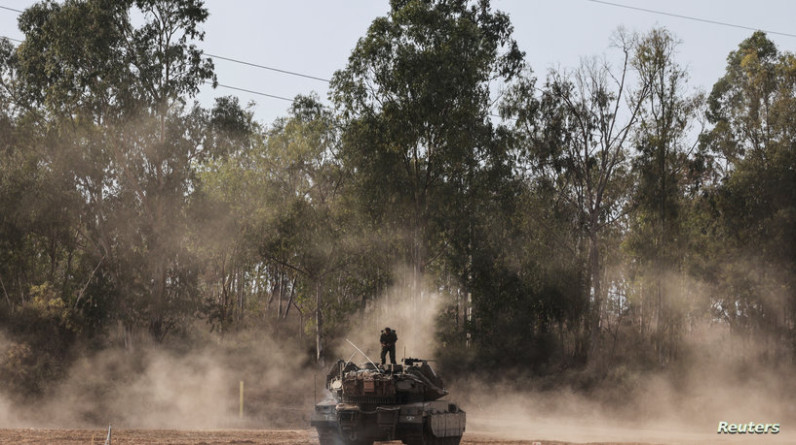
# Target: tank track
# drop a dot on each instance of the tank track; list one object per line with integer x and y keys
{"x": 424, "y": 437}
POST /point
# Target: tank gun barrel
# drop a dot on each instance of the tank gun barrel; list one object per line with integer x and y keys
{"x": 409, "y": 361}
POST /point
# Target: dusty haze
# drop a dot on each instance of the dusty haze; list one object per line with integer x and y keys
{"x": 151, "y": 387}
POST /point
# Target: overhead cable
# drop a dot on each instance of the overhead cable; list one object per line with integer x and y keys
{"x": 292, "y": 73}
{"x": 251, "y": 91}
{"x": 11, "y": 9}
{"x": 687, "y": 17}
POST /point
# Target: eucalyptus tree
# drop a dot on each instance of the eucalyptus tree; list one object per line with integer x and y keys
{"x": 287, "y": 225}
{"x": 109, "y": 98}
{"x": 415, "y": 99}
{"x": 303, "y": 228}
{"x": 751, "y": 142}
{"x": 577, "y": 130}
{"x": 657, "y": 239}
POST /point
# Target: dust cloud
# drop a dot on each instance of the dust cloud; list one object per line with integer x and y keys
{"x": 7, "y": 412}
{"x": 7, "y": 416}
{"x": 682, "y": 405}
{"x": 412, "y": 314}
{"x": 154, "y": 387}
{"x": 721, "y": 378}
{"x": 198, "y": 387}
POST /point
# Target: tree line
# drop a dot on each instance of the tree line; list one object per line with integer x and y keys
{"x": 585, "y": 218}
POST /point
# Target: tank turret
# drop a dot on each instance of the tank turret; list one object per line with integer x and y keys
{"x": 395, "y": 402}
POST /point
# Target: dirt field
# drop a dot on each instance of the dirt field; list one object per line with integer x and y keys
{"x": 262, "y": 437}
{"x": 172, "y": 437}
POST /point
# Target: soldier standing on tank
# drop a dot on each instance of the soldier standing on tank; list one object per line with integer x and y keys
{"x": 388, "y": 339}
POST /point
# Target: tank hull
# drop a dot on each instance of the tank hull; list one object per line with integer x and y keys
{"x": 399, "y": 402}
{"x": 424, "y": 423}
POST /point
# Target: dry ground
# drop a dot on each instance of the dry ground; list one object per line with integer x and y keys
{"x": 254, "y": 437}
{"x": 173, "y": 437}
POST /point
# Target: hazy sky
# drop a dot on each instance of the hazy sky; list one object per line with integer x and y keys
{"x": 316, "y": 37}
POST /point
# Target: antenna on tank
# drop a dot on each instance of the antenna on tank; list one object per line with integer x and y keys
{"x": 365, "y": 355}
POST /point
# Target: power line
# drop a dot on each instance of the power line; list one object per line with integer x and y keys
{"x": 259, "y": 93}
{"x": 321, "y": 79}
{"x": 18, "y": 11}
{"x": 278, "y": 70}
{"x": 229, "y": 59}
{"x": 11, "y": 9}
{"x": 686, "y": 17}
{"x": 618, "y": 5}
{"x": 11, "y": 39}
{"x": 251, "y": 91}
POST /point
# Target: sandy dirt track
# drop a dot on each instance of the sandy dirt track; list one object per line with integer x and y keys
{"x": 226, "y": 437}
{"x": 284, "y": 437}
{"x": 42, "y": 436}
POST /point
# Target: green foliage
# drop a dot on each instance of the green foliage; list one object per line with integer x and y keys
{"x": 86, "y": 58}
{"x": 657, "y": 241}
{"x": 113, "y": 156}
{"x": 416, "y": 98}
{"x": 573, "y": 138}
{"x": 418, "y": 141}
{"x": 751, "y": 108}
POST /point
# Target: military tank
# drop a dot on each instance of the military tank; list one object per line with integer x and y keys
{"x": 394, "y": 402}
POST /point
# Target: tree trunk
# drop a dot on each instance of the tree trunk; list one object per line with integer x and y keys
{"x": 597, "y": 299}
{"x": 318, "y": 322}
{"x": 241, "y": 296}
